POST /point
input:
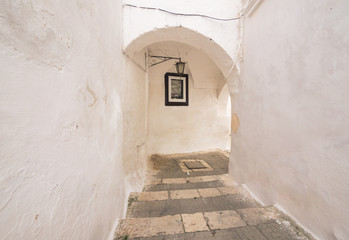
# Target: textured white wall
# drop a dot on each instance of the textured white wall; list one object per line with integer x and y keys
{"x": 199, "y": 126}
{"x": 62, "y": 111}
{"x": 134, "y": 107}
{"x": 220, "y": 40}
{"x": 292, "y": 147}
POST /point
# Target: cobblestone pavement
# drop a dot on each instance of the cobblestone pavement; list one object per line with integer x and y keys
{"x": 179, "y": 202}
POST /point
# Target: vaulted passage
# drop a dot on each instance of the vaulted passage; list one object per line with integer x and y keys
{"x": 93, "y": 132}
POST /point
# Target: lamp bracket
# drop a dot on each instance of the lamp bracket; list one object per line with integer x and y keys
{"x": 162, "y": 58}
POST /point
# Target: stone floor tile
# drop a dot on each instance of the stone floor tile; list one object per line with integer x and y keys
{"x": 194, "y": 222}
{"x": 187, "y": 206}
{"x": 147, "y": 227}
{"x": 153, "y": 196}
{"x": 152, "y": 181}
{"x": 228, "y": 190}
{"x": 254, "y": 216}
{"x": 249, "y": 233}
{"x": 166, "y": 187}
{"x": 184, "y": 194}
{"x": 274, "y": 231}
{"x": 209, "y": 192}
{"x": 173, "y": 180}
{"x": 203, "y": 179}
{"x": 224, "y": 219}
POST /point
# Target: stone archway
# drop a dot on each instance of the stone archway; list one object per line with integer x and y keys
{"x": 223, "y": 59}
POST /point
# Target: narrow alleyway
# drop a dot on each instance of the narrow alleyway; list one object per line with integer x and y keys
{"x": 190, "y": 196}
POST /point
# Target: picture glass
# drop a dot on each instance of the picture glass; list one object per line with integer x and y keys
{"x": 177, "y": 89}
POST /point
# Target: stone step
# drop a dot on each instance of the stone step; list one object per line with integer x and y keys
{"x": 250, "y": 223}
{"x": 144, "y": 209}
{"x": 183, "y": 194}
{"x": 167, "y": 187}
{"x": 166, "y": 184}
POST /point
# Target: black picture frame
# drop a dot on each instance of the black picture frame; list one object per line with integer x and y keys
{"x": 176, "y": 89}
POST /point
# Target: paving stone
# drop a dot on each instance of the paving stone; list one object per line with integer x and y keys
{"x": 224, "y": 219}
{"x": 226, "y": 234}
{"x": 209, "y": 192}
{"x": 228, "y": 190}
{"x": 173, "y": 180}
{"x": 204, "y": 235}
{"x": 166, "y": 187}
{"x": 187, "y": 206}
{"x": 194, "y": 222}
{"x": 153, "y": 196}
{"x": 274, "y": 231}
{"x": 184, "y": 194}
{"x": 152, "y": 181}
{"x": 203, "y": 179}
{"x": 146, "y": 227}
{"x": 254, "y": 216}
{"x": 249, "y": 233}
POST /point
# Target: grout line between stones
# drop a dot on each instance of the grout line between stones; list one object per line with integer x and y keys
{"x": 208, "y": 226}
{"x": 198, "y": 192}
{"x": 182, "y": 223}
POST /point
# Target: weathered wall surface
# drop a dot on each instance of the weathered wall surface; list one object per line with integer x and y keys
{"x": 206, "y": 34}
{"x": 134, "y": 108}
{"x": 61, "y": 119}
{"x": 292, "y": 147}
{"x": 199, "y": 126}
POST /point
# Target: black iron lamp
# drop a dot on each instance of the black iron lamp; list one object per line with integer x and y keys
{"x": 179, "y": 65}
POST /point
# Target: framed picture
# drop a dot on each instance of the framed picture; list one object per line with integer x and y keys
{"x": 176, "y": 89}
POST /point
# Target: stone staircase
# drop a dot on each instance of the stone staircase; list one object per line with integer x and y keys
{"x": 202, "y": 208}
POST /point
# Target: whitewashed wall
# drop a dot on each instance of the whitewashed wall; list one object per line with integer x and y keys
{"x": 199, "y": 126}
{"x": 220, "y": 40}
{"x": 62, "y": 113}
{"x": 134, "y": 92}
{"x": 292, "y": 147}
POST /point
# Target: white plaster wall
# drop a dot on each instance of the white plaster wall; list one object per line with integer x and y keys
{"x": 292, "y": 147}
{"x": 199, "y": 126}
{"x": 61, "y": 119}
{"x": 134, "y": 107}
{"x": 218, "y": 39}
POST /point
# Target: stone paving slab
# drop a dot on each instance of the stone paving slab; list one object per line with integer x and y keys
{"x": 204, "y": 178}
{"x": 176, "y": 194}
{"x": 184, "y": 194}
{"x": 272, "y": 231}
{"x": 224, "y": 219}
{"x": 275, "y": 231}
{"x": 249, "y": 233}
{"x": 254, "y": 216}
{"x": 209, "y": 192}
{"x": 194, "y": 222}
{"x": 167, "y": 187}
{"x": 229, "y": 190}
{"x": 186, "y": 206}
{"x": 174, "y": 180}
{"x": 146, "y": 227}
{"x": 153, "y": 196}
{"x": 243, "y": 233}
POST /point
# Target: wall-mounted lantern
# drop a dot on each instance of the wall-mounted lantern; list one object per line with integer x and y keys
{"x": 179, "y": 65}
